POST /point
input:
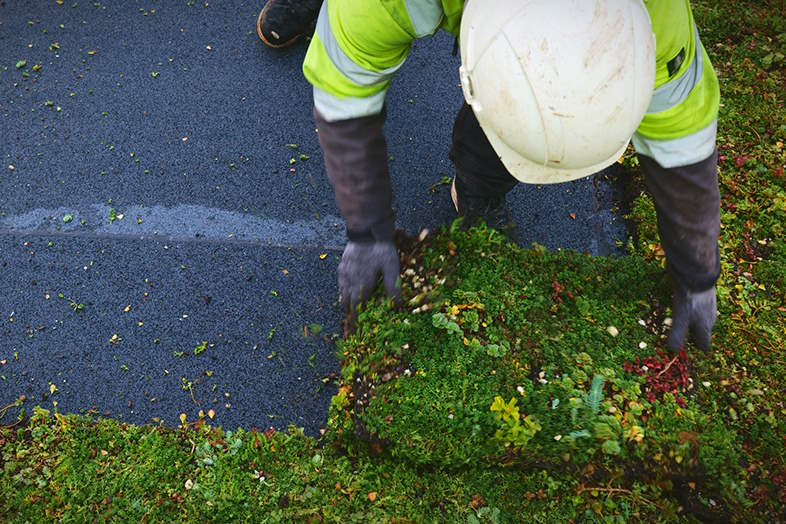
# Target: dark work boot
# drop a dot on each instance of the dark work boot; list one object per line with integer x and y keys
{"x": 493, "y": 210}
{"x": 282, "y": 22}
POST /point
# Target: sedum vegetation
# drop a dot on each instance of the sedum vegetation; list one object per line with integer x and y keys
{"x": 513, "y": 384}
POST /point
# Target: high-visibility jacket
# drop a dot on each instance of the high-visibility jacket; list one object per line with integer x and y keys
{"x": 358, "y": 45}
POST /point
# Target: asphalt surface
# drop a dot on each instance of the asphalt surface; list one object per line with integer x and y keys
{"x": 168, "y": 236}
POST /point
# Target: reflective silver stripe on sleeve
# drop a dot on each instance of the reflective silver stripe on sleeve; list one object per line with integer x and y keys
{"x": 675, "y": 91}
{"x": 357, "y": 74}
{"x": 677, "y": 152}
{"x": 333, "y": 108}
{"x": 425, "y": 15}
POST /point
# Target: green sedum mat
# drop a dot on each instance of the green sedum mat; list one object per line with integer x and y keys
{"x": 512, "y": 385}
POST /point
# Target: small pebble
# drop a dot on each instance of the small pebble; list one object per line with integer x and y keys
{"x": 612, "y": 331}
{"x": 642, "y": 345}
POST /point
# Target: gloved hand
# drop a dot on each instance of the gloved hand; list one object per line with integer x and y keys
{"x": 360, "y": 267}
{"x": 696, "y": 312}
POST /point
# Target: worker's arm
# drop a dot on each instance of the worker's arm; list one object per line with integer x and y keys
{"x": 357, "y": 47}
{"x": 356, "y": 163}
{"x": 687, "y": 202}
{"x": 676, "y": 147}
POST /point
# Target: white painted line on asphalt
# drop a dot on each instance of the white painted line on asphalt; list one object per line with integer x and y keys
{"x": 183, "y": 222}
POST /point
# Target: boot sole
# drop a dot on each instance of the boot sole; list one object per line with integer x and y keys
{"x": 265, "y": 40}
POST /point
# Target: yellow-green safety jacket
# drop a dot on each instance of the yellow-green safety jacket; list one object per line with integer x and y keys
{"x": 359, "y": 44}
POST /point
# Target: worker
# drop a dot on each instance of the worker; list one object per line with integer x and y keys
{"x": 554, "y": 90}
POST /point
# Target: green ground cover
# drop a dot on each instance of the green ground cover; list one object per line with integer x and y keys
{"x": 514, "y": 384}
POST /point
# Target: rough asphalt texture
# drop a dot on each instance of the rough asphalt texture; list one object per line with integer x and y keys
{"x": 150, "y": 201}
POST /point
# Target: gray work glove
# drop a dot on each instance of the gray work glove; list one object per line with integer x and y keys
{"x": 694, "y": 312}
{"x": 360, "y": 268}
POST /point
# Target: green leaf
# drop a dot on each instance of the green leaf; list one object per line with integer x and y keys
{"x": 595, "y": 395}
{"x": 532, "y": 424}
{"x": 612, "y": 422}
{"x": 496, "y": 350}
{"x": 494, "y": 516}
{"x": 21, "y": 64}
{"x": 475, "y": 345}
{"x": 575, "y": 435}
{"x": 603, "y": 431}
{"x": 199, "y": 348}
{"x": 455, "y": 226}
{"x": 439, "y": 320}
{"x": 611, "y": 447}
{"x": 498, "y": 404}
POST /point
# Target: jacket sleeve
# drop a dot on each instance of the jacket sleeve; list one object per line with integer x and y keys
{"x": 687, "y": 204}
{"x": 356, "y": 162}
{"x": 357, "y": 47}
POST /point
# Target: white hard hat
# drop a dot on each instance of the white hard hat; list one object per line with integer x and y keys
{"x": 558, "y": 86}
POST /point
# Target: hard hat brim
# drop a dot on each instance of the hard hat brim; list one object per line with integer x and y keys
{"x": 529, "y": 172}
